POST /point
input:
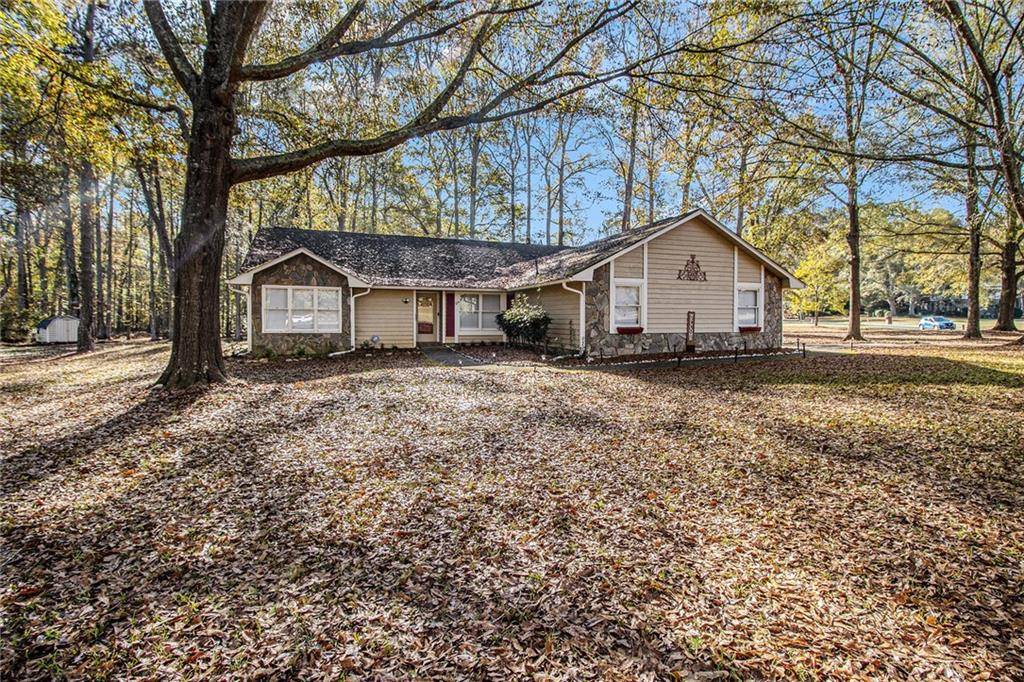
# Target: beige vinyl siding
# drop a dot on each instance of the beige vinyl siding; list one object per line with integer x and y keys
{"x": 382, "y": 313}
{"x": 563, "y": 307}
{"x": 630, "y": 265}
{"x": 749, "y": 268}
{"x": 669, "y": 298}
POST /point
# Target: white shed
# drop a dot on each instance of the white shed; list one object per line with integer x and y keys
{"x": 57, "y": 329}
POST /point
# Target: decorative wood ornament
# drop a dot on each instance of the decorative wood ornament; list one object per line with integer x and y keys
{"x": 691, "y": 272}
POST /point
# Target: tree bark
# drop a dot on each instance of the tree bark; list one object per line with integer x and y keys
{"x": 196, "y": 356}
{"x": 88, "y": 219}
{"x": 853, "y": 331}
{"x": 972, "y": 329}
{"x": 1008, "y": 287}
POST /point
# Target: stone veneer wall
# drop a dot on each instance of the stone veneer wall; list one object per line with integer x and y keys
{"x": 602, "y": 343}
{"x": 300, "y": 270}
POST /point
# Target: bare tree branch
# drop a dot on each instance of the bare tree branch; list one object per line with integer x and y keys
{"x": 318, "y": 52}
{"x": 171, "y": 48}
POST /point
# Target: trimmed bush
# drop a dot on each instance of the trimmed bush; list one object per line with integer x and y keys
{"x": 524, "y": 322}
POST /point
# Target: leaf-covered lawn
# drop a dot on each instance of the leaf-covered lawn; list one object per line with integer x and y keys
{"x": 845, "y": 517}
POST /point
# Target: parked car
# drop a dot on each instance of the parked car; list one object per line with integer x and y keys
{"x": 936, "y": 322}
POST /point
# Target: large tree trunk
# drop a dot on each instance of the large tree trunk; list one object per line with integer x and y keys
{"x": 973, "y": 328}
{"x": 88, "y": 219}
{"x": 1008, "y": 287}
{"x": 196, "y": 356}
{"x": 853, "y": 242}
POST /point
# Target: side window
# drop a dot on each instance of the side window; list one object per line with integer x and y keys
{"x": 628, "y": 305}
{"x": 275, "y": 309}
{"x": 748, "y": 308}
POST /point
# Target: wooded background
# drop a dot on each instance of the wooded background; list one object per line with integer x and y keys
{"x": 873, "y": 148}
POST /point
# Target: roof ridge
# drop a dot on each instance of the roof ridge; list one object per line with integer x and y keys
{"x": 463, "y": 240}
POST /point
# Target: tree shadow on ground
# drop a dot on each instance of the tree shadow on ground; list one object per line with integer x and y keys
{"x": 49, "y": 458}
{"x": 854, "y": 370}
{"x": 293, "y": 370}
{"x": 297, "y": 536}
{"x": 444, "y": 577}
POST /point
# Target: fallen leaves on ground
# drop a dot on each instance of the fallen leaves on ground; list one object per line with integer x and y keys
{"x": 855, "y": 516}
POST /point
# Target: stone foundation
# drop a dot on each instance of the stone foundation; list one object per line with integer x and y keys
{"x": 300, "y": 270}
{"x": 602, "y": 343}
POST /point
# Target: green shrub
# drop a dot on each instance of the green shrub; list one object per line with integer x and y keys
{"x": 17, "y": 325}
{"x": 524, "y": 322}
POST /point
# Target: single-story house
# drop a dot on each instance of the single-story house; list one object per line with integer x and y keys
{"x": 653, "y": 289}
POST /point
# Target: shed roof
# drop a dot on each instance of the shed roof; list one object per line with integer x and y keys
{"x": 43, "y": 324}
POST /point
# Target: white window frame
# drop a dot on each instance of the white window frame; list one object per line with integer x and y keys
{"x": 288, "y": 322}
{"x": 478, "y": 331}
{"x": 627, "y": 281}
{"x": 641, "y": 284}
{"x": 759, "y": 308}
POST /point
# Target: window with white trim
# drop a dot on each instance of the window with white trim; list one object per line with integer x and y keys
{"x": 301, "y": 310}
{"x": 748, "y": 309}
{"x": 628, "y": 305}
{"x": 479, "y": 312}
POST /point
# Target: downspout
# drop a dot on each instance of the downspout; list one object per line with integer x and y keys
{"x": 247, "y": 292}
{"x": 583, "y": 314}
{"x": 352, "y": 320}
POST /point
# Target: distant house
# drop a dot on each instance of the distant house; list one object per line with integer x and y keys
{"x": 57, "y": 329}
{"x": 315, "y": 292}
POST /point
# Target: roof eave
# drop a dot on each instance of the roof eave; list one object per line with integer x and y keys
{"x": 245, "y": 278}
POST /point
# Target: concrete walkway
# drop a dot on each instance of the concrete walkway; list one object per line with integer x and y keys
{"x": 443, "y": 355}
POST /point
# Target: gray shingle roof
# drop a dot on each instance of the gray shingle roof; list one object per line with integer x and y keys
{"x": 399, "y": 260}
{"x": 430, "y": 262}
